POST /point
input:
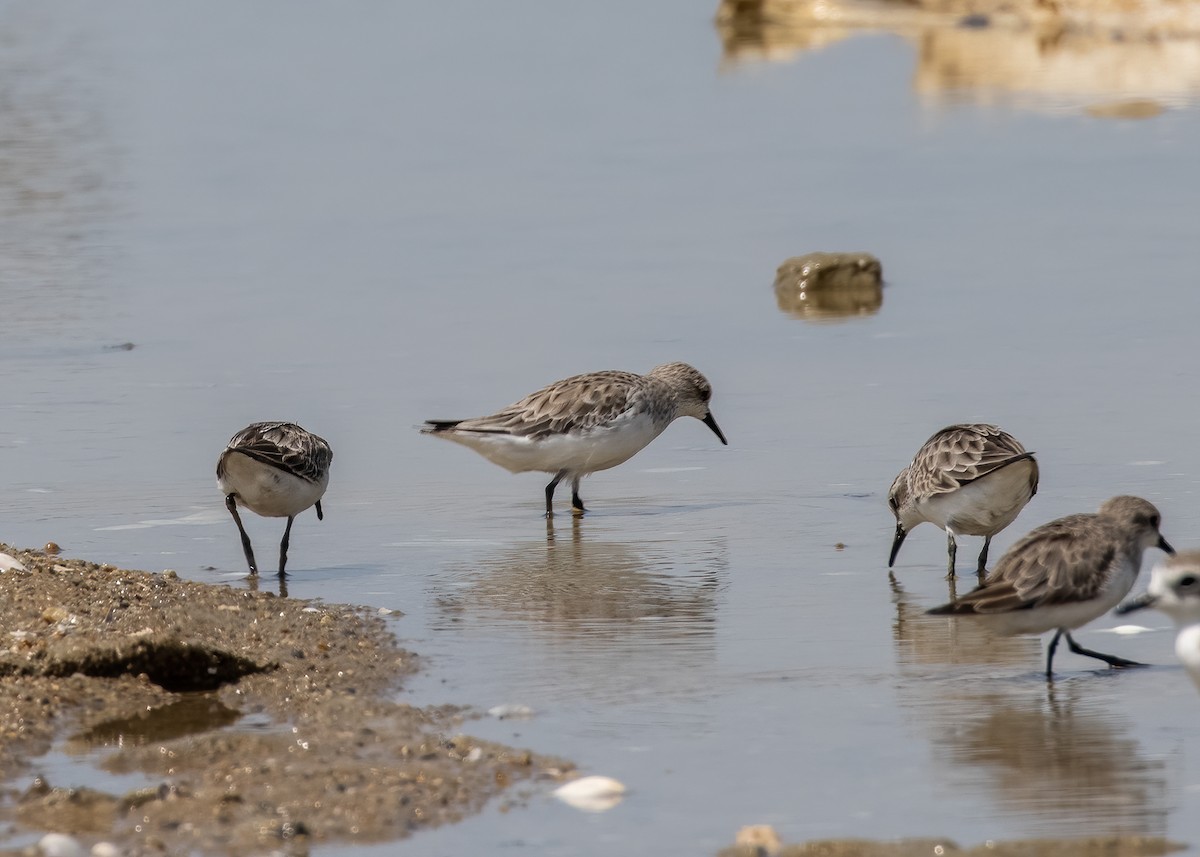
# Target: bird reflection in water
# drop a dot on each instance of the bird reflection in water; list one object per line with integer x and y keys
{"x": 1065, "y": 763}
{"x": 922, "y": 639}
{"x": 575, "y": 586}
{"x": 252, "y": 584}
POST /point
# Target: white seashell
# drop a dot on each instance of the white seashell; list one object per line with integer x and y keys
{"x": 10, "y": 563}
{"x": 591, "y": 794}
{"x": 105, "y": 849}
{"x": 508, "y": 712}
{"x": 761, "y": 837}
{"x": 60, "y": 845}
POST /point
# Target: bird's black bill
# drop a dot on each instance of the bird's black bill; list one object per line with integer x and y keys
{"x": 1163, "y": 546}
{"x": 1142, "y": 601}
{"x": 712, "y": 424}
{"x": 896, "y": 542}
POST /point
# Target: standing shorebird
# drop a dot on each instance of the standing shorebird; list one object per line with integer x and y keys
{"x": 970, "y": 479}
{"x": 1064, "y": 574}
{"x": 276, "y": 470}
{"x": 1175, "y": 590}
{"x": 584, "y": 423}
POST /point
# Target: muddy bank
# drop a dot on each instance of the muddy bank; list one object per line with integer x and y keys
{"x": 259, "y": 723}
{"x": 762, "y": 841}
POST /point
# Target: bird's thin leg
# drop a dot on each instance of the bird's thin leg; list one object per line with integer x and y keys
{"x": 231, "y": 505}
{"x": 576, "y": 503}
{"x": 952, "y": 547}
{"x": 550, "y": 492}
{"x": 987, "y": 543}
{"x": 1050, "y": 654}
{"x": 283, "y": 545}
{"x": 1111, "y": 660}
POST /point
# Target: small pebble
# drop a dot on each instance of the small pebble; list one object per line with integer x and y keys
{"x": 105, "y": 849}
{"x": 591, "y": 794}
{"x": 52, "y": 548}
{"x": 60, "y": 845}
{"x": 170, "y": 574}
{"x": 509, "y": 712}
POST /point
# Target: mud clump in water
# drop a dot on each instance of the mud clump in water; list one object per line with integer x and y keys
{"x": 259, "y": 723}
{"x": 829, "y": 286}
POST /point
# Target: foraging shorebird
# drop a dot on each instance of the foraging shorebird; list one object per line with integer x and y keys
{"x": 1175, "y": 590}
{"x": 276, "y": 470}
{"x": 583, "y": 424}
{"x": 1064, "y": 574}
{"x": 969, "y": 479}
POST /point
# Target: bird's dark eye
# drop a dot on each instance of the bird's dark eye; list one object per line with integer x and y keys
{"x": 1154, "y": 521}
{"x": 1187, "y": 580}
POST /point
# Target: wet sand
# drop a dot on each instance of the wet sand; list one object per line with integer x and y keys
{"x": 260, "y": 722}
{"x": 1111, "y": 846}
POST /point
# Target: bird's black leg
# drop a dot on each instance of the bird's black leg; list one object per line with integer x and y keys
{"x": 952, "y": 547}
{"x": 231, "y": 505}
{"x": 287, "y": 533}
{"x": 576, "y": 503}
{"x": 1111, "y": 660}
{"x": 321, "y": 515}
{"x": 550, "y": 492}
{"x": 982, "y": 569}
{"x": 1050, "y": 654}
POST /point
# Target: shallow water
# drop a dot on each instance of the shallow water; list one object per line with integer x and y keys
{"x": 364, "y": 216}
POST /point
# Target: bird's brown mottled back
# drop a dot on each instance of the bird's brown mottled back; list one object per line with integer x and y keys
{"x": 285, "y": 446}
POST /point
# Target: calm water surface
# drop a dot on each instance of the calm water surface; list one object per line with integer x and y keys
{"x": 364, "y": 215}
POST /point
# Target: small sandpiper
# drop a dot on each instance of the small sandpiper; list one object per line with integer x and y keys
{"x": 1175, "y": 590}
{"x": 584, "y": 423}
{"x": 969, "y": 479}
{"x": 276, "y": 470}
{"x": 1064, "y": 574}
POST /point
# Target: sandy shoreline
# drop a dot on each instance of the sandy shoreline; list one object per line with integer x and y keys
{"x": 259, "y": 722}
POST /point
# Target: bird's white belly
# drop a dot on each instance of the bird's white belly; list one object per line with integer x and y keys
{"x": 985, "y": 506}
{"x": 266, "y": 490}
{"x": 1072, "y": 615}
{"x": 577, "y": 453}
{"x": 1187, "y": 649}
